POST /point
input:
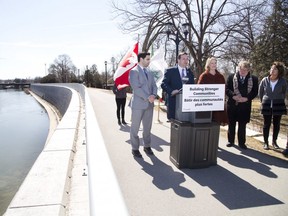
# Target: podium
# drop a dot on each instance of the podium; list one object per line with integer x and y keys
{"x": 194, "y": 117}
{"x": 193, "y": 138}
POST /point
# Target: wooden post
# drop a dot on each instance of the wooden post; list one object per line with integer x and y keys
{"x": 158, "y": 115}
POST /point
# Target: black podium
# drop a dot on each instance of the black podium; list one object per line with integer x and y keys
{"x": 193, "y": 138}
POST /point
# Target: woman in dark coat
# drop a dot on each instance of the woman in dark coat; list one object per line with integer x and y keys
{"x": 212, "y": 76}
{"x": 272, "y": 91}
{"x": 120, "y": 98}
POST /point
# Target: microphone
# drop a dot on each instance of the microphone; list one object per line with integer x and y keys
{"x": 185, "y": 80}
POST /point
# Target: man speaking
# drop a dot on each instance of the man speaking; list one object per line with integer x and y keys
{"x": 173, "y": 81}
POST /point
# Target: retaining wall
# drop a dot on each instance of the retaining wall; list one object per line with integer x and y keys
{"x": 45, "y": 189}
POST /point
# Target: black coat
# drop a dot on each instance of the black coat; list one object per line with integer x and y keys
{"x": 172, "y": 81}
{"x": 241, "y": 111}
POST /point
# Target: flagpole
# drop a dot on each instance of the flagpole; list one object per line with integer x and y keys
{"x": 158, "y": 118}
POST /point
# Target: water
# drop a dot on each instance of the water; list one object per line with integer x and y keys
{"x": 24, "y": 126}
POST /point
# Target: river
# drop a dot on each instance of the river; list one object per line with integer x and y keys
{"x": 24, "y": 126}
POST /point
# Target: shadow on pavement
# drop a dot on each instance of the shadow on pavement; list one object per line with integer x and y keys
{"x": 164, "y": 177}
{"x": 245, "y": 162}
{"x": 125, "y": 128}
{"x": 266, "y": 158}
{"x": 231, "y": 190}
{"x": 156, "y": 142}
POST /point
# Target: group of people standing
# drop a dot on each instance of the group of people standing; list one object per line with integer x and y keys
{"x": 241, "y": 88}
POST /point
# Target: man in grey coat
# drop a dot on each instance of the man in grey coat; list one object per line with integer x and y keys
{"x": 142, "y": 103}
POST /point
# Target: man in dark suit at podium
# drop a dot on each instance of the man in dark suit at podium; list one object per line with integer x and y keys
{"x": 173, "y": 81}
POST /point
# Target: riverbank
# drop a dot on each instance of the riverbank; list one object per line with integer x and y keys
{"x": 24, "y": 130}
{"x": 78, "y": 201}
{"x": 46, "y": 188}
{"x": 52, "y": 112}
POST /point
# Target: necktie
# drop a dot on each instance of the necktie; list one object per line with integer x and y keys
{"x": 145, "y": 72}
{"x": 183, "y": 72}
{"x": 242, "y": 79}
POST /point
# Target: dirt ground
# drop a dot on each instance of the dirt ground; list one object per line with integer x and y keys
{"x": 258, "y": 146}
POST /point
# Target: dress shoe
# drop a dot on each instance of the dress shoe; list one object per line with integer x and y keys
{"x": 285, "y": 152}
{"x": 123, "y": 122}
{"x": 229, "y": 144}
{"x": 274, "y": 144}
{"x": 148, "y": 150}
{"x": 266, "y": 146}
{"x": 136, "y": 153}
{"x": 242, "y": 146}
{"x": 119, "y": 122}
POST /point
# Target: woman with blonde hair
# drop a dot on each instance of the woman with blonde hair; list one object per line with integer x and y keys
{"x": 212, "y": 76}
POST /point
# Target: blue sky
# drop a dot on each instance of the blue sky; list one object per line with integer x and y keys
{"x": 35, "y": 32}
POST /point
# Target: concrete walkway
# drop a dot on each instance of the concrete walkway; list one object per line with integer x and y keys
{"x": 242, "y": 183}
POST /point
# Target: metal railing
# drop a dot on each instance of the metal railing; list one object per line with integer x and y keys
{"x": 104, "y": 192}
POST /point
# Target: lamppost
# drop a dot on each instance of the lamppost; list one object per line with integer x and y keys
{"x": 78, "y": 75}
{"x": 87, "y": 76}
{"x": 106, "y": 73}
{"x": 113, "y": 64}
{"x": 185, "y": 29}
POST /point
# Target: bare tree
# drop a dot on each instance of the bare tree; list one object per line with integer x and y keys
{"x": 241, "y": 43}
{"x": 145, "y": 17}
{"x": 209, "y": 20}
{"x": 62, "y": 68}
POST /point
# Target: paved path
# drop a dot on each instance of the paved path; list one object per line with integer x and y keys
{"x": 242, "y": 183}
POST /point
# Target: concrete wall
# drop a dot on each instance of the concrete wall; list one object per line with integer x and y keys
{"x": 59, "y": 96}
{"x": 45, "y": 189}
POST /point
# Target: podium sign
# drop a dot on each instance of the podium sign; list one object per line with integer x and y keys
{"x": 203, "y": 97}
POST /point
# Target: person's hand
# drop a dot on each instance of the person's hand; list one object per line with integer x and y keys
{"x": 243, "y": 99}
{"x": 151, "y": 98}
{"x": 174, "y": 92}
{"x": 237, "y": 97}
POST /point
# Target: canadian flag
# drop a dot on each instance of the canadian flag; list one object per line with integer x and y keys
{"x": 129, "y": 61}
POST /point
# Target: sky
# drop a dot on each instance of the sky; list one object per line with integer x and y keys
{"x": 33, "y": 33}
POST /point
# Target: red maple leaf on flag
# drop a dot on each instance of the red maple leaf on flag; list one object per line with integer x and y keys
{"x": 126, "y": 61}
{"x": 129, "y": 61}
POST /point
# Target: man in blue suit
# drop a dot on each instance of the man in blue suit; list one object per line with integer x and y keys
{"x": 173, "y": 81}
